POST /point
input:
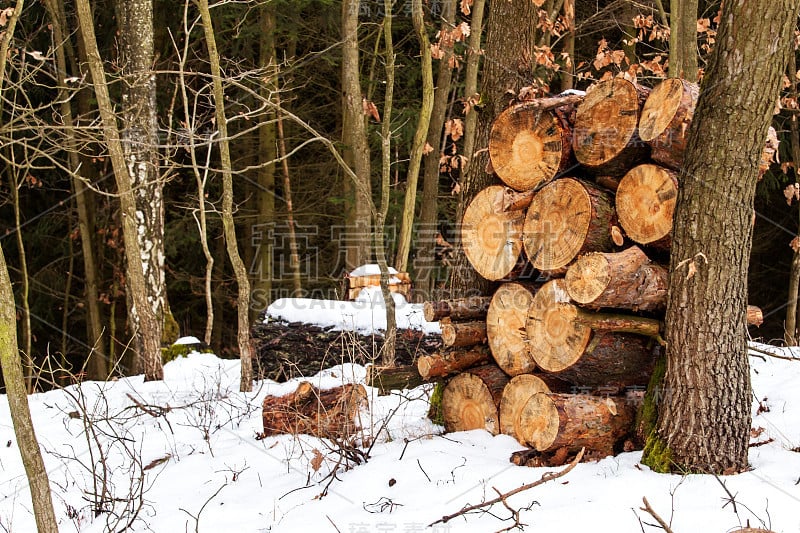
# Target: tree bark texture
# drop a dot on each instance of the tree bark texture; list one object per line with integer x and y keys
{"x": 507, "y": 67}
{"x": 683, "y": 39}
{"x": 458, "y": 309}
{"x": 708, "y": 379}
{"x": 441, "y": 364}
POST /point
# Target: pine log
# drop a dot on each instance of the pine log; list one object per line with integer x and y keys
{"x": 492, "y": 238}
{"x": 560, "y": 344}
{"x": 471, "y": 399}
{"x": 516, "y": 201}
{"x": 389, "y": 378}
{"x": 461, "y": 334}
{"x": 755, "y": 317}
{"x": 550, "y": 421}
{"x": 516, "y": 394}
{"x": 623, "y": 280}
{"x": 566, "y": 218}
{"x": 331, "y": 413}
{"x": 471, "y": 308}
{"x": 646, "y": 203}
{"x": 665, "y": 120}
{"x": 529, "y": 146}
{"x": 505, "y": 328}
{"x": 443, "y": 364}
{"x": 605, "y": 138}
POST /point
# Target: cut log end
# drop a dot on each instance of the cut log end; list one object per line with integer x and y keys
{"x": 660, "y": 108}
{"x": 470, "y": 400}
{"x": 527, "y": 146}
{"x": 492, "y": 238}
{"x": 505, "y": 328}
{"x": 515, "y": 395}
{"x": 645, "y": 201}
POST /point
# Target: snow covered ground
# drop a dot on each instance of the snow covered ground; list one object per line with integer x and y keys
{"x": 186, "y": 448}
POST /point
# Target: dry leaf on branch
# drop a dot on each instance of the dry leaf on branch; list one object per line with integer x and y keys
{"x": 370, "y": 109}
{"x": 316, "y": 461}
{"x": 466, "y": 7}
{"x": 5, "y": 14}
{"x": 791, "y": 193}
{"x": 454, "y": 128}
{"x": 795, "y": 244}
{"x": 427, "y": 149}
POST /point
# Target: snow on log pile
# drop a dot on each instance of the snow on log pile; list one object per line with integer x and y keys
{"x": 580, "y": 236}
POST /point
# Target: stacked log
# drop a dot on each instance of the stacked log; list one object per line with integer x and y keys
{"x": 589, "y": 330}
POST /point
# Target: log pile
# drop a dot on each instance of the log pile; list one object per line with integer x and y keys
{"x": 580, "y": 236}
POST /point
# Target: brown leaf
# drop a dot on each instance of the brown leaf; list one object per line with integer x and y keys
{"x": 316, "y": 461}
{"x": 795, "y": 244}
{"x": 538, "y": 3}
{"x": 427, "y": 149}
{"x": 454, "y": 128}
{"x": 466, "y": 7}
{"x": 5, "y": 14}
{"x": 370, "y": 109}
{"x": 692, "y": 270}
{"x": 436, "y": 51}
{"x": 790, "y": 192}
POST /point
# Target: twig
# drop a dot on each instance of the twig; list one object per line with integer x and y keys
{"x": 334, "y": 525}
{"x": 775, "y": 355}
{"x": 649, "y": 510}
{"x": 549, "y": 476}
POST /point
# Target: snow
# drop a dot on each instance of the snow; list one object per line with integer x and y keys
{"x": 188, "y": 340}
{"x": 569, "y": 92}
{"x": 370, "y": 270}
{"x": 208, "y": 471}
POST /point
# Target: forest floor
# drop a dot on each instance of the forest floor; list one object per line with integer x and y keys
{"x": 183, "y": 455}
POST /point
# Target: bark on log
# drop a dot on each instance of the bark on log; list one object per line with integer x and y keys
{"x": 516, "y": 394}
{"x": 529, "y": 146}
{"x": 516, "y": 201}
{"x": 623, "y": 280}
{"x": 646, "y": 203}
{"x": 332, "y": 413}
{"x": 551, "y": 421}
{"x": 566, "y": 218}
{"x": 505, "y": 328}
{"x": 492, "y": 238}
{"x": 472, "y": 308}
{"x": 389, "y": 378}
{"x": 471, "y": 399}
{"x": 462, "y": 334}
{"x": 561, "y": 345}
{"x": 665, "y": 120}
{"x": 605, "y": 137}
{"x": 443, "y": 364}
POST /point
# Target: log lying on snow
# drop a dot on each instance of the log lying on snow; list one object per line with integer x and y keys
{"x": 517, "y": 393}
{"x": 505, "y": 327}
{"x": 528, "y": 146}
{"x": 665, "y": 120}
{"x": 605, "y": 137}
{"x": 566, "y": 218}
{"x": 472, "y": 308}
{"x": 606, "y": 357}
{"x": 492, "y": 237}
{"x": 461, "y": 334}
{"x": 389, "y": 378}
{"x": 549, "y": 421}
{"x": 331, "y": 413}
{"x": 443, "y": 364}
{"x": 645, "y": 204}
{"x": 623, "y": 280}
{"x": 470, "y": 400}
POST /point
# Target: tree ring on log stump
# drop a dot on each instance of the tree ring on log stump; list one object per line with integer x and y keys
{"x": 539, "y": 421}
{"x": 645, "y": 203}
{"x": 470, "y": 400}
{"x": 492, "y": 239}
{"x": 660, "y": 108}
{"x": 505, "y": 328}
{"x": 515, "y": 396}
{"x": 557, "y": 342}
{"x": 557, "y": 224}
{"x": 526, "y": 146}
{"x": 588, "y": 278}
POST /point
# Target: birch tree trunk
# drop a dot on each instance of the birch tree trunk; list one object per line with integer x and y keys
{"x": 149, "y": 326}
{"x": 12, "y": 368}
{"x": 708, "y": 377}
{"x": 229, "y": 229}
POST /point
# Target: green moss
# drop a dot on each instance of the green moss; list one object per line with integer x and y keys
{"x": 171, "y": 331}
{"x": 435, "y": 412}
{"x": 647, "y": 414}
{"x": 173, "y": 351}
{"x": 657, "y": 454}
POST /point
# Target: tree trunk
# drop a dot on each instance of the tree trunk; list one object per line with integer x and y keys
{"x": 12, "y": 368}
{"x": 470, "y": 400}
{"x": 354, "y": 135}
{"x": 791, "y": 334}
{"x": 683, "y": 39}
{"x": 459, "y": 309}
{"x": 507, "y": 67}
{"x": 424, "y": 266}
{"x": 443, "y": 364}
{"x": 505, "y": 328}
{"x": 708, "y": 376}
{"x": 562, "y": 345}
{"x": 623, "y": 280}
{"x": 646, "y": 204}
{"x": 229, "y": 228}
{"x": 567, "y": 218}
{"x": 332, "y": 413}
{"x": 136, "y": 277}
{"x": 474, "y": 54}
{"x": 605, "y": 138}
{"x": 492, "y": 238}
{"x": 460, "y": 335}
{"x": 548, "y": 422}
{"x": 516, "y": 395}
{"x": 665, "y": 120}
{"x": 529, "y": 147}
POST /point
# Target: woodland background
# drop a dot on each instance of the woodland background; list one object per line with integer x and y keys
{"x": 284, "y": 69}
